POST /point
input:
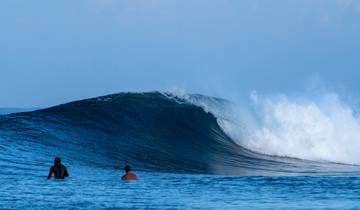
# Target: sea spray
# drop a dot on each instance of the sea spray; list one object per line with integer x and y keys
{"x": 324, "y": 129}
{"x": 321, "y": 129}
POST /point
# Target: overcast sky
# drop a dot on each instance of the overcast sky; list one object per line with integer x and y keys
{"x": 56, "y": 51}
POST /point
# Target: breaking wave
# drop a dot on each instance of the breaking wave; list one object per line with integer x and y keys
{"x": 165, "y": 132}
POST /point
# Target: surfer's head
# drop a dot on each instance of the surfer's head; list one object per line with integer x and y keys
{"x": 127, "y": 168}
{"x": 57, "y": 161}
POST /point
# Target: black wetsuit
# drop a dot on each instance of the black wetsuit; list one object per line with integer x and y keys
{"x": 59, "y": 171}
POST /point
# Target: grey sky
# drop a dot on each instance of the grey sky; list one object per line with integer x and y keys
{"x": 57, "y": 51}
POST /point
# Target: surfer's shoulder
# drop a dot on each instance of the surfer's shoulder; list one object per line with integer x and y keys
{"x": 129, "y": 176}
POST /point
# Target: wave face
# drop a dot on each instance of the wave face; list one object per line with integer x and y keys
{"x": 151, "y": 131}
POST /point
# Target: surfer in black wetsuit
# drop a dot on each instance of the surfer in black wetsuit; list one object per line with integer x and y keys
{"x": 58, "y": 169}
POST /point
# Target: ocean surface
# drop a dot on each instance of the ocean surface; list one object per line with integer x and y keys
{"x": 181, "y": 148}
{"x": 100, "y": 188}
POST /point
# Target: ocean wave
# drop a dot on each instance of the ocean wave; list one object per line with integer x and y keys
{"x": 154, "y": 131}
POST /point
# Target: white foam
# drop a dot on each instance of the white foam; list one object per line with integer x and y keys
{"x": 321, "y": 129}
{"x": 324, "y": 129}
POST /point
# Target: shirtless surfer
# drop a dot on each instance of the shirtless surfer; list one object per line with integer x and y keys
{"x": 128, "y": 174}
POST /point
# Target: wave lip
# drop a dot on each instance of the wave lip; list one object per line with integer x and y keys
{"x": 153, "y": 131}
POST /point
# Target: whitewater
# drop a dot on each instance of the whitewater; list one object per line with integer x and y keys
{"x": 279, "y": 152}
{"x": 323, "y": 129}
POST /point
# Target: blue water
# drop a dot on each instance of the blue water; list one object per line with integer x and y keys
{"x": 182, "y": 156}
{"x": 102, "y": 188}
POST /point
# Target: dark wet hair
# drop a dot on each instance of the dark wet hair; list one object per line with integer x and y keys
{"x": 127, "y": 168}
{"x": 57, "y": 160}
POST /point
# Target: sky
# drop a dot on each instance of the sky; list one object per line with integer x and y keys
{"x": 54, "y": 52}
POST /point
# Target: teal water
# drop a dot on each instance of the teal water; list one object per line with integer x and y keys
{"x": 94, "y": 188}
{"x": 155, "y": 133}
